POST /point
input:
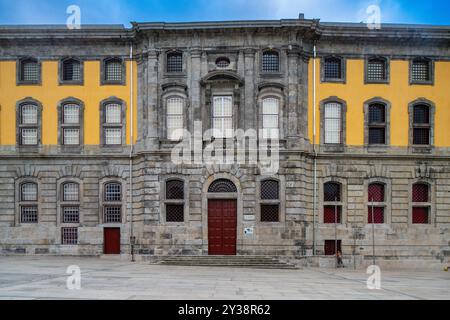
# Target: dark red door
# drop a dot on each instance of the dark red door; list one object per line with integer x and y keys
{"x": 222, "y": 224}
{"x": 112, "y": 241}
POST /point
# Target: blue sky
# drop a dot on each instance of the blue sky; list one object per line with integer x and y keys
{"x": 124, "y": 11}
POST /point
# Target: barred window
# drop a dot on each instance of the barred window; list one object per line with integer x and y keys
{"x": 71, "y": 191}
{"x": 71, "y": 214}
{"x": 270, "y": 212}
{"x": 29, "y": 214}
{"x": 221, "y": 186}
{"x": 28, "y": 125}
{"x": 420, "y": 215}
{"x": 174, "y": 62}
{"x": 29, "y": 71}
{"x": 333, "y": 123}
{"x": 376, "y": 198}
{"x": 112, "y": 126}
{"x": 71, "y": 136}
{"x": 222, "y": 117}
{"x": 113, "y": 191}
{"x": 332, "y": 214}
{"x": 174, "y": 212}
{"x": 421, "y": 203}
{"x": 113, "y": 70}
{"x": 332, "y": 191}
{"x": 270, "y": 118}
{"x": 421, "y": 70}
{"x": 333, "y": 68}
{"x": 377, "y": 124}
{"x": 222, "y": 62}
{"x": 71, "y": 70}
{"x": 113, "y": 113}
{"x": 270, "y": 61}
{"x": 69, "y": 235}
{"x": 28, "y": 191}
{"x": 113, "y": 136}
{"x": 175, "y": 118}
{"x": 29, "y": 136}
{"x": 270, "y": 190}
{"x": 420, "y": 192}
{"x": 421, "y": 125}
{"x": 175, "y": 189}
{"x": 29, "y": 114}
{"x": 71, "y": 113}
{"x": 112, "y": 214}
{"x": 376, "y": 69}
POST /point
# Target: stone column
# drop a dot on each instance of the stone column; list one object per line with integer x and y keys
{"x": 294, "y": 134}
{"x": 195, "y": 92}
{"x": 248, "y": 115}
{"x": 152, "y": 100}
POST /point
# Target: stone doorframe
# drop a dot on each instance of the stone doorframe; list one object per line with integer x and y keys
{"x": 228, "y": 196}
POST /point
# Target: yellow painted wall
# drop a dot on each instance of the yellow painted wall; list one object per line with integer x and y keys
{"x": 49, "y": 93}
{"x": 398, "y": 92}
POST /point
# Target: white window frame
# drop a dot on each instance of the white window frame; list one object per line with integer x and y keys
{"x": 223, "y": 132}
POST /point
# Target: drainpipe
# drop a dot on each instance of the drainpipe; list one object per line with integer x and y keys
{"x": 132, "y": 238}
{"x": 314, "y": 152}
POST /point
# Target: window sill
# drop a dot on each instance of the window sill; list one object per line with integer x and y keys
{"x": 175, "y": 74}
{"x": 421, "y": 83}
{"x": 369, "y": 82}
{"x": 71, "y": 83}
{"x": 377, "y": 148}
{"x": 333, "y": 148}
{"x": 337, "y": 81}
{"x": 29, "y": 83}
{"x": 426, "y": 149}
{"x": 271, "y": 74}
{"x": 112, "y": 83}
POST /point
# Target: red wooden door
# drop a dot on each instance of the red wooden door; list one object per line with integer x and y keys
{"x": 222, "y": 224}
{"x": 111, "y": 241}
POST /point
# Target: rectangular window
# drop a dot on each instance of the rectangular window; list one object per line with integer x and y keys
{"x": 421, "y": 71}
{"x": 71, "y": 136}
{"x": 331, "y": 213}
{"x": 29, "y": 214}
{"x": 29, "y": 136}
{"x": 376, "y": 70}
{"x": 420, "y": 215}
{"x": 174, "y": 118}
{"x": 71, "y": 214}
{"x": 377, "y": 213}
{"x": 421, "y": 136}
{"x": 174, "y": 212}
{"x": 270, "y": 213}
{"x": 69, "y": 235}
{"x": 113, "y": 136}
{"x": 420, "y": 193}
{"x": 71, "y": 71}
{"x": 30, "y": 71}
{"x": 377, "y": 136}
{"x": 113, "y": 113}
{"x": 113, "y": 214}
{"x": 114, "y": 71}
{"x": 330, "y": 247}
{"x": 175, "y": 62}
{"x": 29, "y": 114}
{"x": 333, "y": 69}
{"x": 222, "y": 117}
{"x": 270, "y": 125}
{"x": 332, "y": 123}
{"x": 71, "y": 114}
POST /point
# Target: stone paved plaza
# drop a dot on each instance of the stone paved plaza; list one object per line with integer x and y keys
{"x": 101, "y": 278}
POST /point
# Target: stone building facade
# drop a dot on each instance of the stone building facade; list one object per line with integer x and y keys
{"x": 361, "y": 130}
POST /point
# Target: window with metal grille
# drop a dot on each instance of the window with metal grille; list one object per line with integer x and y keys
{"x": 332, "y": 214}
{"x": 270, "y": 114}
{"x": 222, "y": 62}
{"x": 29, "y": 136}
{"x": 112, "y": 126}
{"x": 113, "y": 113}
{"x": 222, "y": 121}
{"x": 71, "y": 136}
{"x": 175, "y": 62}
{"x": 221, "y": 186}
{"x": 71, "y": 214}
{"x": 71, "y": 113}
{"x": 421, "y": 125}
{"x": 113, "y": 136}
{"x": 376, "y": 69}
{"x": 330, "y": 247}
{"x": 420, "y": 193}
{"x": 377, "y": 124}
{"x": 332, "y": 192}
{"x": 71, "y": 70}
{"x": 70, "y": 124}
{"x": 29, "y": 114}
{"x": 71, "y": 191}
{"x": 113, "y": 70}
{"x": 175, "y": 189}
{"x": 174, "y": 212}
{"x": 28, "y": 191}
{"x": 29, "y": 214}
{"x": 28, "y": 124}
{"x": 376, "y": 192}
{"x": 377, "y": 213}
{"x": 175, "y": 118}
{"x": 270, "y": 190}
{"x": 69, "y": 235}
{"x": 270, "y": 212}
{"x": 113, "y": 191}
{"x": 333, "y": 69}
{"x": 421, "y": 70}
{"x": 112, "y": 214}
{"x": 420, "y": 215}
{"x": 333, "y": 123}
{"x": 270, "y": 61}
{"x": 29, "y": 71}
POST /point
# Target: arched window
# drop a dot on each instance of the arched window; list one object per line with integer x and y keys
{"x": 70, "y": 124}
{"x": 333, "y": 123}
{"x": 71, "y": 70}
{"x": 113, "y": 70}
{"x": 112, "y": 123}
{"x": 421, "y": 203}
{"x": 270, "y": 200}
{"x": 222, "y": 185}
{"x": 377, "y": 203}
{"x": 421, "y": 124}
{"x": 29, "y": 71}
{"x": 174, "y": 120}
{"x": 270, "y": 61}
{"x": 28, "y": 202}
{"x": 377, "y": 123}
{"x": 332, "y": 209}
{"x": 376, "y": 69}
{"x": 174, "y": 62}
{"x": 270, "y": 117}
{"x": 112, "y": 202}
{"x": 28, "y": 124}
{"x": 174, "y": 200}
